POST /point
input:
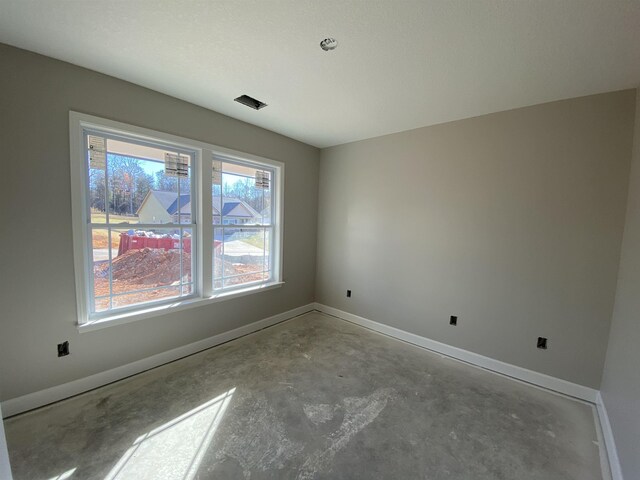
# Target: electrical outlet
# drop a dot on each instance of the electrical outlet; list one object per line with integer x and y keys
{"x": 348, "y": 293}
{"x": 63, "y": 349}
{"x": 453, "y": 320}
{"x": 542, "y": 343}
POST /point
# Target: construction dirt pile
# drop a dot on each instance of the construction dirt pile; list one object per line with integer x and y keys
{"x": 151, "y": 266}
{"x": 147, "y": 268}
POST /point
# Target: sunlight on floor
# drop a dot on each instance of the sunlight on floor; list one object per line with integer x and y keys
{"x": 65, "y": 475}
{"x": 173, "y": 450}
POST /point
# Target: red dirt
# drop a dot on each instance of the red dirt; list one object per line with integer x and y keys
{"x": 148, "y": 268}
{"x": 151, "y": 266}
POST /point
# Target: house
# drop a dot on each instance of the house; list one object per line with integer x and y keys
{"x": 165, "y": 207}
{"x": 233, "y": 212}
{"x": 162, "y": 207}
{"x": 446, "y": 284}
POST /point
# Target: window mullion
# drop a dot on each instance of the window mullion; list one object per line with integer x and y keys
{"x": 110, "y": 267}
{"x": 264, "y": 249}
{"x": 205, "y": 217}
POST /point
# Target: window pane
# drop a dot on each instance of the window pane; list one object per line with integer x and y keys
{"x": 239, "y": 256}
{"x": 102, "y": 304}
{"x": 218, "y": 263}
{"x": 264, "y": 204}
{"x": 101, "y": 271}
{"x": 144, "y": 185}
{"x": 146, "y": 296}
{"x": 184, "y": 214}
{"x": 267, "y": 249}
{"x": 188, "y": 265}
{"x": 246, "y": 195}
{"x": 244, "y": 249}
{"x": 97, "y": 195}
{"x": 143, "y": 262}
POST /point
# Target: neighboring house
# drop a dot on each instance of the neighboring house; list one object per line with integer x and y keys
{"x": 162, "y": 207}
{"x": 234, "y": 212}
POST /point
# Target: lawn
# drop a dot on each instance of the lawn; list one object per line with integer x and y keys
{"x": 101, "y": 217}
{"x": 256, "y": 240}
{"x": 101, "y": 237}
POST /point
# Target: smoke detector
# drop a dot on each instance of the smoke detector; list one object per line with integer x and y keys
{"x": 328, "y": 44}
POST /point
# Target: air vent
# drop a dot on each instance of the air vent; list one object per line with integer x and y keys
{"x": 250, "y": 102}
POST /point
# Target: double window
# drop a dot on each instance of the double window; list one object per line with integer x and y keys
{"x": 162, "y": 220}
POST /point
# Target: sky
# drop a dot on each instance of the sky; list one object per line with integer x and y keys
{"x": 151, "y": 167}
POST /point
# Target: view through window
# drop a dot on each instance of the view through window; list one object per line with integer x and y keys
{"x": 158, "y": 219}
{"x": 242, "y": 209}
{"x": 141, "y": 222}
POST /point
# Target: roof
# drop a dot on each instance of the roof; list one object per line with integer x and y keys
{"x": 166, "y": 199}
{"x": 185, "y": 201}
{"x": 230, "y": 206}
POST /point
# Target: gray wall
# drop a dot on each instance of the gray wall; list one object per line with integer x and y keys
{"x": 37, "y": 290}
{"x": 621, "y": 378}
{"x": 512, "y": 221}
{"x": 5, "y": 466}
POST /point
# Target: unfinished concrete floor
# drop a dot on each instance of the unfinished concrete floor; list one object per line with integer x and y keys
{"x": 311, "y": 398}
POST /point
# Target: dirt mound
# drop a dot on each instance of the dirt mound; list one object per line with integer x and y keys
{"x": 148, "y": 268}
{"x": 151, "y": 266}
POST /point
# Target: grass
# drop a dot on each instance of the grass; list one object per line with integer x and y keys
{"x": 101, "y": 217}
{"x": 256, "y": 240}
{"x": 101, "y": 237}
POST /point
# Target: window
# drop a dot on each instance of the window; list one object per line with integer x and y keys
{"x": 242, "y": 196}
{"x": 139, "y": 221}
{"x": 145, "y": 238}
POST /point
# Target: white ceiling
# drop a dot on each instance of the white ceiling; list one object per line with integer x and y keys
{"x": 399, "y": 64}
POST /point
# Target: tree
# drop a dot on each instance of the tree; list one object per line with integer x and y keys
{"x": 245, "y": 189}
{"x": 144, "y": 183}
{"x": 124, "y": 173}
{"x": 167, "y": 183}
{"x": 97, "y": 189}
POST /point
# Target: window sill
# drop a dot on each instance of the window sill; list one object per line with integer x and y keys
{"x": 173, "y": 307}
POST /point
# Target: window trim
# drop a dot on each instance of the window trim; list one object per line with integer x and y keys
{"x": 203, "y": 281}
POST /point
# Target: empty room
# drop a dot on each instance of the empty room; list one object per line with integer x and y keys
{"x": 320, "y": 239}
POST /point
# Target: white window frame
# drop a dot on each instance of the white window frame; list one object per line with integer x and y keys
{"x": 234, "y": 224}
{"x": 203, "y": 278}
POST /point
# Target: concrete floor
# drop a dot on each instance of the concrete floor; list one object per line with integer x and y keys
{"x": 311, "y": 398}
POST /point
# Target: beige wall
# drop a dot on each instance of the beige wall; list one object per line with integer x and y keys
{"x": 512, "y": 221}
{"x": 621, "y": 378}
{"x": 37, "y": 292}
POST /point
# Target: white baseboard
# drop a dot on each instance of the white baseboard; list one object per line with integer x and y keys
{"x": 44, "y": 397}
{"x": 529, "y": 376}
{"x": 610, "y": 444}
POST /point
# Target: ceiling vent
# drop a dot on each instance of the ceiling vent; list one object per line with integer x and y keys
{"x": 328, "y": 44}
{"x": 250, "y": 102}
